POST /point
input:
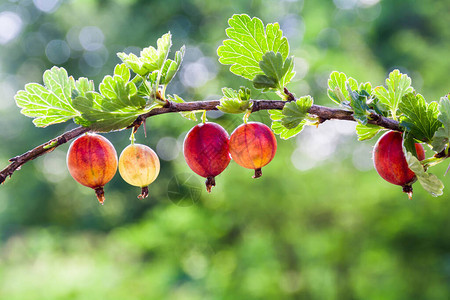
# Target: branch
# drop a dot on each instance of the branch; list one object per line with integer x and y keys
{"x": 324, "y": 113}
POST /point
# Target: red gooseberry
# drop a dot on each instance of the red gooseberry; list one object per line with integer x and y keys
{"x": 206, "y": 150}
{"x": 390, "y": 162}
{"x": 92, "y": 161}
{"x": 252, "y": 146}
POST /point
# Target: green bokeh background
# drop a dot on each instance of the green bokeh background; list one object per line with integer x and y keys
{"x": 319, "y": 224}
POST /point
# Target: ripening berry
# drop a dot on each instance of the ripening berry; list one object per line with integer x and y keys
{"x": 139, "y": 166}
{"x": 92, "y": 161}
{"x": 206, "y": 150}
{"x": 252, "y": 146}
{"x": 390, "y": 161}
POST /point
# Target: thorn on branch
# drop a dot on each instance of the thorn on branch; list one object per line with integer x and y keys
{"x": 290, "y": 97}
{"x": 168, "y": 104}
{"x": 322, "y": 119}
{"x": 442, "y": 154}
{"x": 14, "y": 159}
{"x": 137, "y": 123}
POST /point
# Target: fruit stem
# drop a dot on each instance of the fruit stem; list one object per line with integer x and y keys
{"x": 144, "y": 193}
{"x": 432, "y": 161}
{"x": 210, "y": 182}
{"x": 132, "y": 138}
{"x": 204, "y": 117}
{"x": 258, "y": 173}
{"x": 100, "y": 194}
{"x": 247, "y": 115}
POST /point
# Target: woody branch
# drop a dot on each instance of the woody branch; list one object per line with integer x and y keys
{"x": 323, "y": 113}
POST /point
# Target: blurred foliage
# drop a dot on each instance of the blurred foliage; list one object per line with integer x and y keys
{"x": 319, "y": 224}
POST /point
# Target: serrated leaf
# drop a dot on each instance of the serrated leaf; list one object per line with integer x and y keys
{"x": 264, "y": 82}
{"x": 150, "y": 59}
{"x": 442, "y": 135}
{"x": 359, "y": 105}
{"x": 235, "y": 102}
{"x": 429, "y": 182}
{"x": 295, "y": 112}
{"x": 337, "y": 90}
{"x": 190, "y": 115}
{"x": 398, "y": 85}
{"x": 419, "y": 117}
{"x": 171, "y": 67}
{"x": 367, "y": 87}
{"x": 248, "y": 42}
{"x": 120, "y": 92}
{"x": 50, "y": 103}
{"x": 366, "y": 132}
{"x": 82, "y": 86}
{"x": 123, "y": 72}
{"x": 279, "y": 129}
{"x": 115, "y": 108}
{"x": 409, "y": 144}
{"x": 290, "y": 121}
{"x": 133, "y": 62}
{"x": 97, "y": 114}
{"x": 277, "y": 72}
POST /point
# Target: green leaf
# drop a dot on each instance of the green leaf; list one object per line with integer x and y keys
{"x": 359, "y": 105}
{"x": 366, "y": 87}
{"x": 337, "y": 90}
{"x": 286, "y": 133}
{"x": 419, "y": 117}
{"x": 277, "y": 72}
{"x": 115, "y": 107}
{"x": 248, "y": 42}
{"x": 398, "y": 85}
{"x": 50, "y": 103}
{"x": 366, "y": 132}
{"x": 150, "y": 59}
{"x": 295, "y": 112}
{"x": 171, "y": 67}
{"x": 98, "y": 114}
{"x": 235, "y": 102}
{"x": 290, "y": 121}
{"x": 119, "y": 90}
{"x": 82, "y": 86}
{"x": 409, "y": 144}
{"x": 429, "y": 182}
{"x": 442, "y": 135}
{"x": 190, "y": 115}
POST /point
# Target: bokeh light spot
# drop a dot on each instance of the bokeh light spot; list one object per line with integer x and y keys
{"x": 57, "y": 51}
{"x": 91, "y": 38}
{"x": 168, "y": 148}
{"x": 10, "y": 26}
{"x": 47, "y": 6}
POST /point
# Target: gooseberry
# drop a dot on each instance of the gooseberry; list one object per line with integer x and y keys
{"x": 92, "y": 161}
{"x": 206, "y": 150}
{"x": 390, "y": 161}
{"x": 252, "y": 146}
{"x": 139, "y": 166}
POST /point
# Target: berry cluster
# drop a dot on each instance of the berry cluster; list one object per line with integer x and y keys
{"x": 208, "y": 149}
{"x": 92, "y": 161}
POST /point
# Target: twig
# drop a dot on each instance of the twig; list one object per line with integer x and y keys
{"x": 322, "y": 112}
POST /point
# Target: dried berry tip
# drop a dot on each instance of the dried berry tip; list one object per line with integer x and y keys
{"x": 258, "y": 173}
{"x": 100, "y": 195}
{"x": 144, "y": 193}
{"x": 210, "y": 182}
{"x": 408, "y": 190}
